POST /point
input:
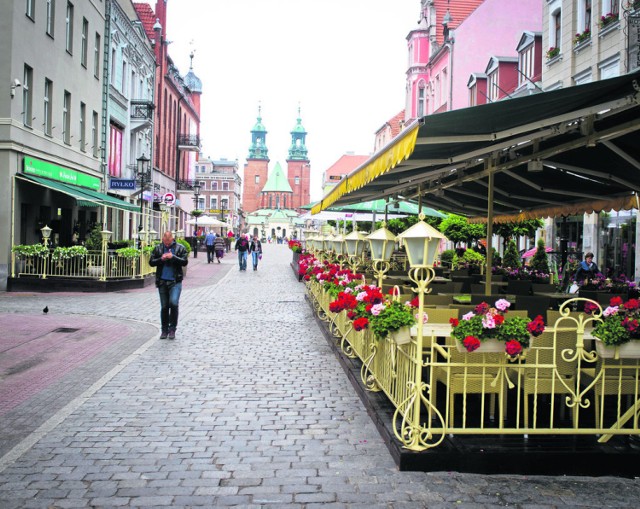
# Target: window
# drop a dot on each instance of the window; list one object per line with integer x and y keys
{"x": 123, "y": 84}
{"x": 214, "y": 203}
{"x": 113, "y": 66}
{"x": 214, "y": 185}
{"x": 224, "y": 204}
{"x": 115, "y": 151}
{"x": 69, "y": 28}
{"x": 51, "y": 16}
{"x": 66, "y": 118}
{"x": 584, "y": 16}
{"x": 421, "y": 100}
{"x": 525, "y": 64}
{"x": 94, "y": 134}
{"x": 225, "y": 186}
{"x": 85, "y": 42}
{"x": 257, "y": 179}
{"x": 556, "y": 31}
{"x": 48, "y": 91}
{"x": 83, "y": 121}
{"x": 27, "y": 96}
{"x": 492, "y": 83}
{"x": 610, "y": 68}
{"x": 296, "y": 180}
{"x": 284, "y": 201}
{"x": 31, "y": 9}
{"x": 96, "y": 56}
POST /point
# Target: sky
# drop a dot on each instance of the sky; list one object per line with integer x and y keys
{"x": 343, "y": 62}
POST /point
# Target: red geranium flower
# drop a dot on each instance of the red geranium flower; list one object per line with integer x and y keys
{"x": 360, "y": 323}
{"x": 471, "y": 343}
{"x": 615, "y": 301}
{"x": 454, "y": 322}
{"x": 498, "y": 319}
{"x": 513, "y": 347}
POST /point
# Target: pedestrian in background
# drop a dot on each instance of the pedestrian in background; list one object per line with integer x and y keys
{"x": 587, "y": 269}
{"x": 169, "y": 257}
{"x": 209, "y": 241}
{"x": 219, "y": 247}
{"x": 242, "y": 247}
{"x": 256, "y": 251}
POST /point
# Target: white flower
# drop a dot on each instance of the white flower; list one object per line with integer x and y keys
{"x": 468, "y": 316}
{"x": 376, "y": 309}
{"x": 360, "y": 297}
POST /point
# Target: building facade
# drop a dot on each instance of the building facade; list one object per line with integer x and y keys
{"x": 51, "y": 113}
{"x": 220, "y": 189}
{"x": 298, "y": 167}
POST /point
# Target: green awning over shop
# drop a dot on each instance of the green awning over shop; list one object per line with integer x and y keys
{"x": 84, "y": 197}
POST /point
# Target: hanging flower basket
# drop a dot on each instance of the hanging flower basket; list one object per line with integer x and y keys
{"x": 630, "y": 350}
{"x": 489, "y": 345}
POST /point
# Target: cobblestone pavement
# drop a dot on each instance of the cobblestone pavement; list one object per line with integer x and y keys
{"x": 248, "y": 407}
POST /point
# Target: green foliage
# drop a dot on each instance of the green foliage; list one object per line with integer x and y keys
{"x": 392, "y": 318}
{"x": 447, "y": 255}
{"x": 511, "y": 256}
{"x": 64, "y": 253}
{"x": 24, "y": 250}
{"x": 94, "y": 241}
{"x": 128, "y": 252}
{"x": 539, "y": 261}
{"x": 197, "y": 213}
{"x": 454, "y": 228}
{"x": 470, "y": 258}
{"x": 611, "y": 331}
{"x": 497, "y": 259}
{"x": 517, "y": 229}
{"x": 514, "y": 328}
{"x": 184, "y": 243}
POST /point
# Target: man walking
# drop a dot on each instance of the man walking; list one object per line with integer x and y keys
{"x": 209, "y": 240}
{"x": 242, "y": 247}
{"x": 169, "y": 257}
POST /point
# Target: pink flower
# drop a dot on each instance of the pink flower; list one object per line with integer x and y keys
{"x": 468, "y": 316}
{"x": 376, "y": 309}
{"x": 503, "y": 304}
{"x": 488, "y": 322}
{"x": 610, "y": 311}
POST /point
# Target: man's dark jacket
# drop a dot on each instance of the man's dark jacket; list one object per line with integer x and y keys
{"x": 179, "y": 260}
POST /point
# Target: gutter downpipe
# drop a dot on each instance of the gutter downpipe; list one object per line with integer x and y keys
{"x": 105, "y": 103}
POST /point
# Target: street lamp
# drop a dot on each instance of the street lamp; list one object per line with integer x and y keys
{"x": 106, "y": 235}
{"x": 382, "y": 243}
{"x": 196, "y": 198}
{"x": 421, "y": 242}
{"x": 46, "y": 233}
{"x": 143, "y": 175}
{"x": 355, "y": 244}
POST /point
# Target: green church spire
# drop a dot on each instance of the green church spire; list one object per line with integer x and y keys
{"x": 258, "y": 148}
{"x": 298, "y": 149}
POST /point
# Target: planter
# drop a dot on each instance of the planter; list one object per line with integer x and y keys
{"x": 490, "y": 345}
{"x": 630, "y": 350}
{"x": 402, "y": 336}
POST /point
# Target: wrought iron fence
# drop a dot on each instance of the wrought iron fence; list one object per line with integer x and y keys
{"x": 93, "y": 265}
{"x": 566, "y": 383}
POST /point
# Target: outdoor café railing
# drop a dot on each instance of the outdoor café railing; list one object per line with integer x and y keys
{"x": 566, "y": 383}
{"x": 90, "y": 266}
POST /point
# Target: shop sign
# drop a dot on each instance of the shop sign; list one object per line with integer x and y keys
{"x": 33, "y": 166}
{"x": 122, "y": 184}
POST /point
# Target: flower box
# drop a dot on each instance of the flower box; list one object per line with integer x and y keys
{"x": 489, "y": 345}
{"x": 630, "y": 350}
{"x": 402, "y": 336}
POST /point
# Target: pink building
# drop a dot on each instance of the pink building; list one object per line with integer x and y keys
{"x": 459, "y": 43}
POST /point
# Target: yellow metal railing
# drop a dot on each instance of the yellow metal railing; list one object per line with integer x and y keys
{"x": 565, "y": 383}
{"x": 93, "y": 265}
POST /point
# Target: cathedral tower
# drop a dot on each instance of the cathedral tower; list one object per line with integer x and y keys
{"x": 256, "y": 168}
{"x": 298, "y": 167}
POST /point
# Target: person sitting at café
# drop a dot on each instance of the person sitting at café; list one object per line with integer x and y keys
{"x": 587, "y": 269}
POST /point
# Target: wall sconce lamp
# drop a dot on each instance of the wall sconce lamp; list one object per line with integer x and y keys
{"x": 15, "y": 84}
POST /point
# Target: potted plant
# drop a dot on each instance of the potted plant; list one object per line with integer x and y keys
{"x": 66, "y": 253}
{"x": 27, "y": 250}
{"x": 393, "y": 318}
{"x": 607, "y": 19}
{"x": 581, "y": 37}
{"x": 488, "y": 329}
{"x": 617, "y": 328}
{"x": 553, "y": 52}
{"x": 128, "y": 252}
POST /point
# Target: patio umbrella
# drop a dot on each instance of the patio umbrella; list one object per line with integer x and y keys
{"x": 378, "y": 206}
{"x": 208, "y": 221}
{"x": 532, "y": 251}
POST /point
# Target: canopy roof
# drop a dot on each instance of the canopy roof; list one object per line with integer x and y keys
{"x": 556, "y": 153}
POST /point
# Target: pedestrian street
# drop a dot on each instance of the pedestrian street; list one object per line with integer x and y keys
{"x": 248, "y": 407}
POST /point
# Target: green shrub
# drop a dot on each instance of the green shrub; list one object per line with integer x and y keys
{"x": 186, "y": 245}
{"x": 539, "y": 261}
{"x": 511, "y": 256}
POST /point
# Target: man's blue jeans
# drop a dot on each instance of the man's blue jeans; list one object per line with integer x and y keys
{"x": 169, "y": 292}
{"x": 242, "y": 260}
{"x": 255, "y": 257}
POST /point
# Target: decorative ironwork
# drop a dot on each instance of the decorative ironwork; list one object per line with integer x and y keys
{"x": 185, "y": 185}
{"x": 189, "y": 140}
{"x": 142, "y": 109}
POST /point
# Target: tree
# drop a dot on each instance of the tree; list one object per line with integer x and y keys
{"x": 511, "y": 257}
{"x": 539, "y": 261}
{"x": 526, "y": 228}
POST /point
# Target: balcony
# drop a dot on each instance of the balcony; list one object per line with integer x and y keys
{"x": 189, "y": 142}
{"x": 141, "y": 114}
{"x": 185, "y": 185}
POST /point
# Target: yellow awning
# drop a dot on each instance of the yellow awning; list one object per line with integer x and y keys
{"x": 378, "y": 165}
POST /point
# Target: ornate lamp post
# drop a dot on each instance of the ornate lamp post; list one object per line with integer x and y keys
{"x": 382, "y": 243}
{"x": 106, "y": 235}
{"x": 421, "y": 242}
{"x": 46, "y": 234}
{"x": 355, "y": 244}
{"x": 143, "y": 175}
{"x": 196, "y": 199}
{"x": 338, "y": 248}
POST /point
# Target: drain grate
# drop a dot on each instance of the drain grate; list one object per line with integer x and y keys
{"x": 65, "y": 330}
